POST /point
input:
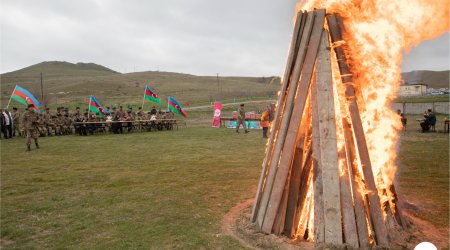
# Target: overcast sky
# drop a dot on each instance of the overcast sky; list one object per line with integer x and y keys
{"x": 203, "y": 37}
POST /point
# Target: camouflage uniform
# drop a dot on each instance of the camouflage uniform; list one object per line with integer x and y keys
{"x": 240, "y": 119}
{"x": 16, "y": 123}
{"x": 49, "y": 125}
{"x": 30, "y": 119}
{"x": 42, "y": 127}
{"x": 59, "y": 124}
{"x": 67, "y": 124}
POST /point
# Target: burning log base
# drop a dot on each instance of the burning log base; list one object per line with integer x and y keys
{"x": 317, "y": 181}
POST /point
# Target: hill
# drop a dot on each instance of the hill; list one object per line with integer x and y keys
{"x": 73, "y": 83}
{"x": 61, "y": 69}
{"x": 434, "y": 79}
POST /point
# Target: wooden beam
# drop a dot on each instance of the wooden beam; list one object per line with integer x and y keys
{"x": 395, "y": 206}
{"x": 319, "y": 224}
{"x": 358, "y": 130}
{"x": 297, "y": 167}
{"x": 291, "y": 137}
{"x": 305, "y": 182}
{"x": 296, "y": 35}
{"x": 285, "y": 119}
{"x": 328, "y": 145}
{"x": 305, "y": 200}
{"x": 348, "y": 212}
{"x": 355, "y": 180}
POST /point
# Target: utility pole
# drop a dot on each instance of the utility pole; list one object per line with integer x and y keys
{"x": 218, "y": 87}
{"x": 42, "y": 93}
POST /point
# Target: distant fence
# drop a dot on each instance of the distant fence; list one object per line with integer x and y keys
{"x": 416, "y": 108}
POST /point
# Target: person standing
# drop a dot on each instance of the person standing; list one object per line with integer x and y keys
{"x": 16, "y": 122}
{"x": 241, "y": 119}
{"x": 7, "y": 124}
{"x": 30, "y": 119}
{"x": 265, "y": 121}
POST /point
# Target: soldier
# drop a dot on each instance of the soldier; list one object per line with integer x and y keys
{"x": 120, "y": 113}
{"x": 67, "y": 124}
{"x": 16, "y": 122}
{"x": 129, "y": 118}
{"x": 241, "y": 119}
{"x": 30, "y": 119}
{"x": 41, "y": 126}
{"x": 153, "y": 111}
{"x": 49, "y": 125}
{"x": 140, "y": 114}
{"x": 59, "y": 124}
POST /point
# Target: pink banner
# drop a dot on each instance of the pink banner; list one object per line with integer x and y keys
{"x": 217, "y": 113}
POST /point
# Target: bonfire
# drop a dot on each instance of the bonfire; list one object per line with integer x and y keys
{"x": 329, "y": 171}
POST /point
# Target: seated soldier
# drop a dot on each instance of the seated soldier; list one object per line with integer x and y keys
{"x": 129, "y": 118}
{"x": 67, "y": 125}
{"x": 41, "y": 127}
{"x": 59, "y": 124}
{"x": 429, "y": 120}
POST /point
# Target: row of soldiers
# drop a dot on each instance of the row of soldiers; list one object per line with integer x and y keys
{"x": 61, "y": 122}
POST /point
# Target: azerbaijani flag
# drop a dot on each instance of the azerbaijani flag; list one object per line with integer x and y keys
{"x": 151, "y": 96}
{"x": 176, "y": 107}
{"x": 23, "y": 96}
{"x": 95, "y": 107}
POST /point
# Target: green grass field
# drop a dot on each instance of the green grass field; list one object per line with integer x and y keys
{"x": 166, "y": 189}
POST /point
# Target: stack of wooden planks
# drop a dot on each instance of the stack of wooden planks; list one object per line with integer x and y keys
{"x": 303, "y": 192}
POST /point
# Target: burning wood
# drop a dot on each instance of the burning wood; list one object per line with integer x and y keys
{"x": 317, "y": 181}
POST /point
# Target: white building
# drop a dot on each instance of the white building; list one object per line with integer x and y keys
{"x": 412, "y": 90}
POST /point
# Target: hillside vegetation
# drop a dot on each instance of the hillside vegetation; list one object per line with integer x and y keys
{"x": 73, "y": 83}
{"x": 434, "y": 79}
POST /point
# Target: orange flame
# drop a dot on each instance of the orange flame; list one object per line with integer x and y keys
{"x": 378, "y": 31}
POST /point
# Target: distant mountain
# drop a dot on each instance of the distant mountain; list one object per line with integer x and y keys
{"x": 59, "y": 68}
{"x": 68, "y": 83}
{"x": 434, "y": 79}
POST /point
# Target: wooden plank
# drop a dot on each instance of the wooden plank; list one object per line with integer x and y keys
{"x": 348, "y": 212}
{"x": 355, "y": 179}
{"x": 286, "y": 117}
{"x": 287, "y": 152}
{"x": 395, "y": 206}
{"x": 278, "y": 225}
{"x": 358, "y": 91}
{"x": 306, "y": 179}
{"x": 328, "y": 145}
{"x": 297, "y": 34}
{"x": 296, "y": 172}
{"x": 319, "y": 224}
{"x": 363, "y": 152}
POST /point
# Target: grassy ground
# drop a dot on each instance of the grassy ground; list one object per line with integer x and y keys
{"x": 423, "y": 172}
{"x": 158, "y": 190}
{"x": 165, "y": 190}
{"x": 440, "y": 98}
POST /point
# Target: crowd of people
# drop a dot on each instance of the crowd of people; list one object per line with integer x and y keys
{"x": 65, "y": 122}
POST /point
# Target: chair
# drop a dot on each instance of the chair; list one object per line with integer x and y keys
{"x": 433, "y": 128}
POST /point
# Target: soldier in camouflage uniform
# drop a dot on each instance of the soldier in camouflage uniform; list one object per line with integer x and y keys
{"x": 240, "y": 119}
{"x": 49, "y": 125}
{"x": 42, "y": 127}
{"x": 67, "y": 125}
{"x": 30, "y": 119}
{"x": 16, "y": 122}
{"x": 59, "y": 124}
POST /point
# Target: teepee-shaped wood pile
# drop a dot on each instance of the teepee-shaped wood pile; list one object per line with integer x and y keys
{"x": 303, "y": 192}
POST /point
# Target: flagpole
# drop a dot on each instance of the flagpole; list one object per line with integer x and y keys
{"x": 11, "y": 97}
{"x": 168, "y": 103}
{"x": 89, "y": 108}
{"x": 143, "y": 98}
